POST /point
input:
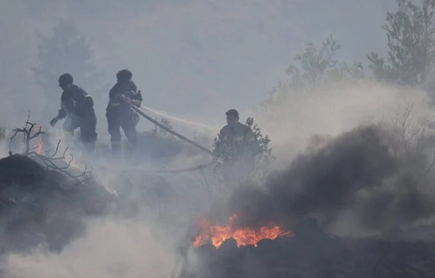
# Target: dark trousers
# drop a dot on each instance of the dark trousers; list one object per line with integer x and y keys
{"x": 87, "y": 124}
{"x": 116, "y": 121}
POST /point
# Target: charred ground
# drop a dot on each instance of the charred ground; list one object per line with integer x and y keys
{"x": 44, "y": 206}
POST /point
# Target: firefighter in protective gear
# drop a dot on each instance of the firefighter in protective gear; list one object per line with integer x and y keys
{"x": 120, "y": 115}
{"x": 77, "y": 108}
{"x": 237, "y": 148}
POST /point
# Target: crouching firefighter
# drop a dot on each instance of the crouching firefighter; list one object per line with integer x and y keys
{"x": 236, "y": 149}
{"x": 119, "y": 114}
{"x": 77, "y": 108}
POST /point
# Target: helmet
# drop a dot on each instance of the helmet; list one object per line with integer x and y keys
{"x": 233, "y": 112}
{"x": 66, "y": 79}
{"x": 124, "y": 75}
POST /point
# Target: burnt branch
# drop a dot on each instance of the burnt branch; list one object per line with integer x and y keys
{"x": 28, "y": 136}
{"x": 48, "y": 160}
{"x": 50, "y": 164}
{"x": 39, "y": 132}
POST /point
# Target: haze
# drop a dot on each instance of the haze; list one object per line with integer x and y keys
{"x": 191, "y": 58}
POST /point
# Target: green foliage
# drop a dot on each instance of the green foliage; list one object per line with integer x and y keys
{"x": 315, "y": 66}
{"x": 319, "y": 65}
{"x": 263, "y": 141}
{"x": 227, "y": 151}
{"x": 411, "y": 40}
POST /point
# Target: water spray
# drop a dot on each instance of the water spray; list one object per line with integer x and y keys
{"x": 177, "y": 119}
{"x": 140, "y": 112}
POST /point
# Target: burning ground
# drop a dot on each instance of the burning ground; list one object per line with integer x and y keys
{"x": 363, "y": 172}
{"x": 280, "y": 227}
{"x": 365, "y": 178}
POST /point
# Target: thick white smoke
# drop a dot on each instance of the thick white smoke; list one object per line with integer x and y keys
{"x": 330, "y": 110}
{"x": 110, "y": 248}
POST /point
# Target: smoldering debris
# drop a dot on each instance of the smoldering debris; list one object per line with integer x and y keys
{"x": 365, "y": 173}
{"x": 36, "y": 210}
{"x": 314, "y": 258}
{"x": 362, "y": 171}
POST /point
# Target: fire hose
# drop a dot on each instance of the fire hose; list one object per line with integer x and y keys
{"x": 199, "y": 167}
{"x": 190, "y": 169}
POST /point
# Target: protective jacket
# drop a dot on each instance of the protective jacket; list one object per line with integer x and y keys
{"x": 237, "y": 141}
{"x": 120, "y": 115}
{"x": 129, "y": 90}
{"x": 75, "y": 101}
{"x": 78, "y": 109}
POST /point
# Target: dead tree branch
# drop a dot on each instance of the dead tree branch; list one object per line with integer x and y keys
{"x": 50, "y": 160}
{"x": 28, "y": 136}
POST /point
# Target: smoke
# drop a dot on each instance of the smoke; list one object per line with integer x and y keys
{"x": 110, "y": 248}
{"x": 202, "y": 72}
{"x": 139, "y": 237}
{"x": 322, "y": 111}
{"x": 361, "y": 171}
{"x": 355, "y": 156}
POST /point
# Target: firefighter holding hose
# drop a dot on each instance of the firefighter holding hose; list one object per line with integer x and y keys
{"x": 119, "y": 114}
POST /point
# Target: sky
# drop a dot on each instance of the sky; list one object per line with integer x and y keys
{"x": 192, "y": 58}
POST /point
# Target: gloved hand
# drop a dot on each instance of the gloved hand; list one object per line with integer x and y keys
{"x": 127, "y": 100}
{"x": 54, "y": 121}
{"x": 124, "y": 98}
{"x": 136, "y": 102}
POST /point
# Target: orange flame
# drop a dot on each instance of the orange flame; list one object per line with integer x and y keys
{"x": 243, "y": 236}
{"x": 38, "y": 148}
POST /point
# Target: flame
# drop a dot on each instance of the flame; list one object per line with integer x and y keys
{"x": 38, "y": 148}
{"x": 243, "y": 236}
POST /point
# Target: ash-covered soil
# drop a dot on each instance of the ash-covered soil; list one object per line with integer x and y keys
{"x": 40, "y": 206}
{"x": 312, "y": 257}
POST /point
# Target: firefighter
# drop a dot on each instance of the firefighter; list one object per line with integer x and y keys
{"x": 120, "y": 115}
{"x": 77, "y": 108}
{"x": 236, "y": 148}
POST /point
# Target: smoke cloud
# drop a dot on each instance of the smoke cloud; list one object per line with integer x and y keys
{"x": 360, "y": 171}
